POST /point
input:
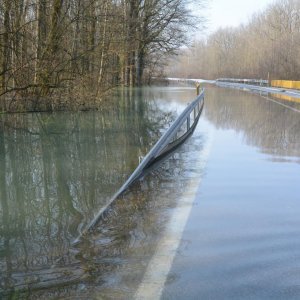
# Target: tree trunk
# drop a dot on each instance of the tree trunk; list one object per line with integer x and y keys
{"x": 41, "y": 37}
{"x": 6, "y": 61}
{"x": 54, "y": 31}
{"x": 103, "y": 46}
{"x": 131, "y": 38}
{"x": 92, "y": 36}
{"x": 49, "y": 77}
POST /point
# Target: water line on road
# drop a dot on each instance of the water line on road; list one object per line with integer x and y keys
{"x": 286, "y": 106}
{"x": 159, "y": 267}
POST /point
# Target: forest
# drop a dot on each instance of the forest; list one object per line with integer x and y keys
{"x": 65, "y": 54}
{"x": 68, "y": 53}
{"x": 266, "y": 47}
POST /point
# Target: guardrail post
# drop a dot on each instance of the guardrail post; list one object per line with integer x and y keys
{"x": 198, "y": 89}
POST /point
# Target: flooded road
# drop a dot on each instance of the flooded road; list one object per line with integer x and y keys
{"x": 242, "y": 237}
{"x": 237, "y": 178}
{"x": 58, "y": 170}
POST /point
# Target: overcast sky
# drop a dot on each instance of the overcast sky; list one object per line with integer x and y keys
{"x": 222, "y": 13}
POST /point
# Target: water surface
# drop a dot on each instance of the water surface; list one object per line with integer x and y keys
{"x": 242, "y": 237}
{"x": 57, "y": 170}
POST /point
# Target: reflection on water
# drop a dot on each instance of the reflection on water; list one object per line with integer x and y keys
{"x": 242, "y": 239}
{"x": 56, "y": 172}
{"x": 270, "y": 127}
{"x": 286, "y": 98}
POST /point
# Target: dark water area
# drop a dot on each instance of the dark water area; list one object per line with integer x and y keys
{"x": 241, "y": 240}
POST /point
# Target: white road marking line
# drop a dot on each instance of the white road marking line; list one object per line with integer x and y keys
{"x": 279, "y": 103}
{"x": 161, "y": 263}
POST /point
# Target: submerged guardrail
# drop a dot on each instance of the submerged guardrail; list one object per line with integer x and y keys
{"x": 179, "y": 131}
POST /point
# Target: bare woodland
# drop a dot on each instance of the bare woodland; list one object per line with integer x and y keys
{"x": 55, "y": 53}
{"x": 267, "y": 47}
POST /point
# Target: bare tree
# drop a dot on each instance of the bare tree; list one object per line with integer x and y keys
{"x": 55, "y": 51}
{"x": 269, "y": 43}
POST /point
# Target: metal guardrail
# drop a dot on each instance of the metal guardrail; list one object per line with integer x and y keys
{"x": 179, "y": 131}
{"x": 260, "y": 82}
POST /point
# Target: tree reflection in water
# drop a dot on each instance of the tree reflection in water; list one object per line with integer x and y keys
{"x": 272, "y": 128}
{"x": 56, "y": 171}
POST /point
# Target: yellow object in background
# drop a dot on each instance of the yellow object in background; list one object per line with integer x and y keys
{"x": 288, "y": 84}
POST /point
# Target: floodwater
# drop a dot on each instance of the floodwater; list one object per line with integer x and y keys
{"x": 58, "y": 170}
{"x": 241, "y": 239}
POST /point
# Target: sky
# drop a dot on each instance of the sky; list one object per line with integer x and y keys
{"x": 223, "y": 13}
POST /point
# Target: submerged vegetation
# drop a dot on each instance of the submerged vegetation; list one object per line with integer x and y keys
{"x": 67, "y": 53}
